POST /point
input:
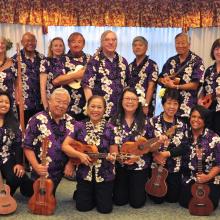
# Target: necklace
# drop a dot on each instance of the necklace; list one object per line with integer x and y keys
{"x": 4, "y": 61}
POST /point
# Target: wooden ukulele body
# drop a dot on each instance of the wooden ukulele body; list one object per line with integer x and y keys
{"x": 8, "y": 204}
{"x": 156, "y": 185}
{"x": 200, "y": 204}
{"x": 43, "y": 201}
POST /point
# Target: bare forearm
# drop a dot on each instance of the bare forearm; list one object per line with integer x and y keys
{"x": 87, "y": 92}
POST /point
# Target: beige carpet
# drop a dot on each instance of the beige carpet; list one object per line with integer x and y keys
{"x": 66, "y": 210}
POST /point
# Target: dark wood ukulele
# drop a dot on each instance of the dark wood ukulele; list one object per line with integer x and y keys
{"x": 200, "y": 204}
{"x": 43, "y": 201}
{"x": 156, "y": 185}
{"x": 142, "y": 145}
{"x": 8, "y": 204}
{"x": 92, "y": 152}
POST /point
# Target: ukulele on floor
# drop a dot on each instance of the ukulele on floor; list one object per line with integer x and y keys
{"x": 8, "y": 204}
{"x": 200, "y": 204}
{"x": 43, "y": 201}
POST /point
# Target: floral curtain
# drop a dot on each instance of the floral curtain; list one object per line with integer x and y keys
{"x": 145, "y": 13}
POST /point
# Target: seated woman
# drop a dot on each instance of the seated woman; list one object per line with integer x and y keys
{"x": 131, "y": 176}
{"x": 94, "y": 178}
{"x": 200, "y": 137}
{"x": 11, "y": 154}
{"x": 169, "y": 154}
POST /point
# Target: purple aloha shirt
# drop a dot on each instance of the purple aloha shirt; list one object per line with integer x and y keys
{"x": 42, "y": 125}
{"x": 192, "y": 72}
{"x": 124, "y": 133}
{"x": 53, "y": 67}
{"x": 103, "y": 169}
{"x": 10, "y": 145}
{"x": 107, "y": 78}
{"x": 78, "y": 100}
{"x": 210, "y": 144}
{"x": 31, "y": 80}
{"x": 156, "y": 127}
{"x": 7, "y": 83}
{"x": 141, "y": 75}
{"x": 212, "y": 85}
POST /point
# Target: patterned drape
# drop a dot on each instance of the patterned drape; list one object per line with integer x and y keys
{"x": 145, "y": 13}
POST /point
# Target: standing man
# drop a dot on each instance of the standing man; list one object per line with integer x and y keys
{"x": 55, "y": 125}
{"x": 187, "y": 68}
{"x": 30, "y": 64}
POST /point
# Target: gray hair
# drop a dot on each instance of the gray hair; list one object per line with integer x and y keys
{"x": 141, "y": 39}
{"x": 60, "y": 91}
{"x": 105, "y": 33}
{"x": 183, "y": 34}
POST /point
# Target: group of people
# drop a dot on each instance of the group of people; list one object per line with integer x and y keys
{"x": 102, "y": 101}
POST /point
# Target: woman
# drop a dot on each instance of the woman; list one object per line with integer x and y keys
{"x": 75, "y": 61}
{"x": 129, "y": 125}
{"x": 211, "y": 86}
{"x": 8, "y": 72}
{"x": 11, "y": 156}
{"x": 51, "y": 67}
{"x": 208, "y": 142}
{"x": 144, "y": 75}
{"x": 169, "y": 154}
{"x": 107, "y": 73}
{"x": 94, "y": 179}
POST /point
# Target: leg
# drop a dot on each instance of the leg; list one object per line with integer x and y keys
{"x": 185, "y": 195}
{"x": 137, "y": 194}
{"x": 103, "y": 194}
{"x": 214, "y": 194}
{"x": 85, "y": 196}
{"x": 120, "y": 191}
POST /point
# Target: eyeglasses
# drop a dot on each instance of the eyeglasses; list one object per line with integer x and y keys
{"x": 130, "y": 99}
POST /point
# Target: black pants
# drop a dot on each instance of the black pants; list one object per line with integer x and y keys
{"x": 186, "y": 195}
{"x": 216, "y": 122}
{"x": 14, "y": 182}
{"x": 91, "y": 194}
{"x": 129, "y": 187}
{"x": 173, "y": 189}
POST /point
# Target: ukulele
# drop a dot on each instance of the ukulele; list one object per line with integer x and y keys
{"x": 8, "y": 204}
{"x": 92, "y": 152}
{"x": 43, "y": 201}
{"x": 200, "y": 204}
{"x": 75, "y": 84}
{"x": 142, "y": 145}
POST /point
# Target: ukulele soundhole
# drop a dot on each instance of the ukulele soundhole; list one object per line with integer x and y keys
{"x": 42, "y": 192}
{"x": 200, "y": 193}
{"x": 141, "y": 147}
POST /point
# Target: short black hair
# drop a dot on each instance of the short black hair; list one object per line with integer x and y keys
{"x": 171, "y": 94}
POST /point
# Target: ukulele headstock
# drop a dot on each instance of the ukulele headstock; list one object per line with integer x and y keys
{"x": 199, "y": 152}
{"x": 171, "y": 131}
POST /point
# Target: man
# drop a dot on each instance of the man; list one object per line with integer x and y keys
{"x": 187, "y": 68}
{"x": 30, "y": 64}
{"x": 54, "y": 124}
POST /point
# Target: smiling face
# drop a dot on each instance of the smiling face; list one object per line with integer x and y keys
{"x": 139, "y": 48}
{"x": 57, "y": 48}
{"x": 170, "y": 107}
{"x": 29, "y": 42}
{"x": 96, "y": 109}
{"x": 196, "y": 121}
{"x": 58, "y": 104}
{"x": 129, "y": 102}
{"x": 4, "y": 104}
{"x": 182, "y": 45}
{"x": 109, "y": 43}
{"x": 76, "y": 44}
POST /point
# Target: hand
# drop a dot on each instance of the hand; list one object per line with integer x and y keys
{"x": 131, "y": 161}
{"x": 159, "y": 158}
{"x": 85, "y": 159}
{"x": 111, "y": 157}
{"x": 19, "y": 170}
{"x": 69, "y": 169}
{"x": 202, "y": 178}
{"x": 41, "y": 170}
{"x": 162, "y": 139}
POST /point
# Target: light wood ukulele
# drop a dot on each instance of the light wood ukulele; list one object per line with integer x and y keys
{"x": 8, "y": 204}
